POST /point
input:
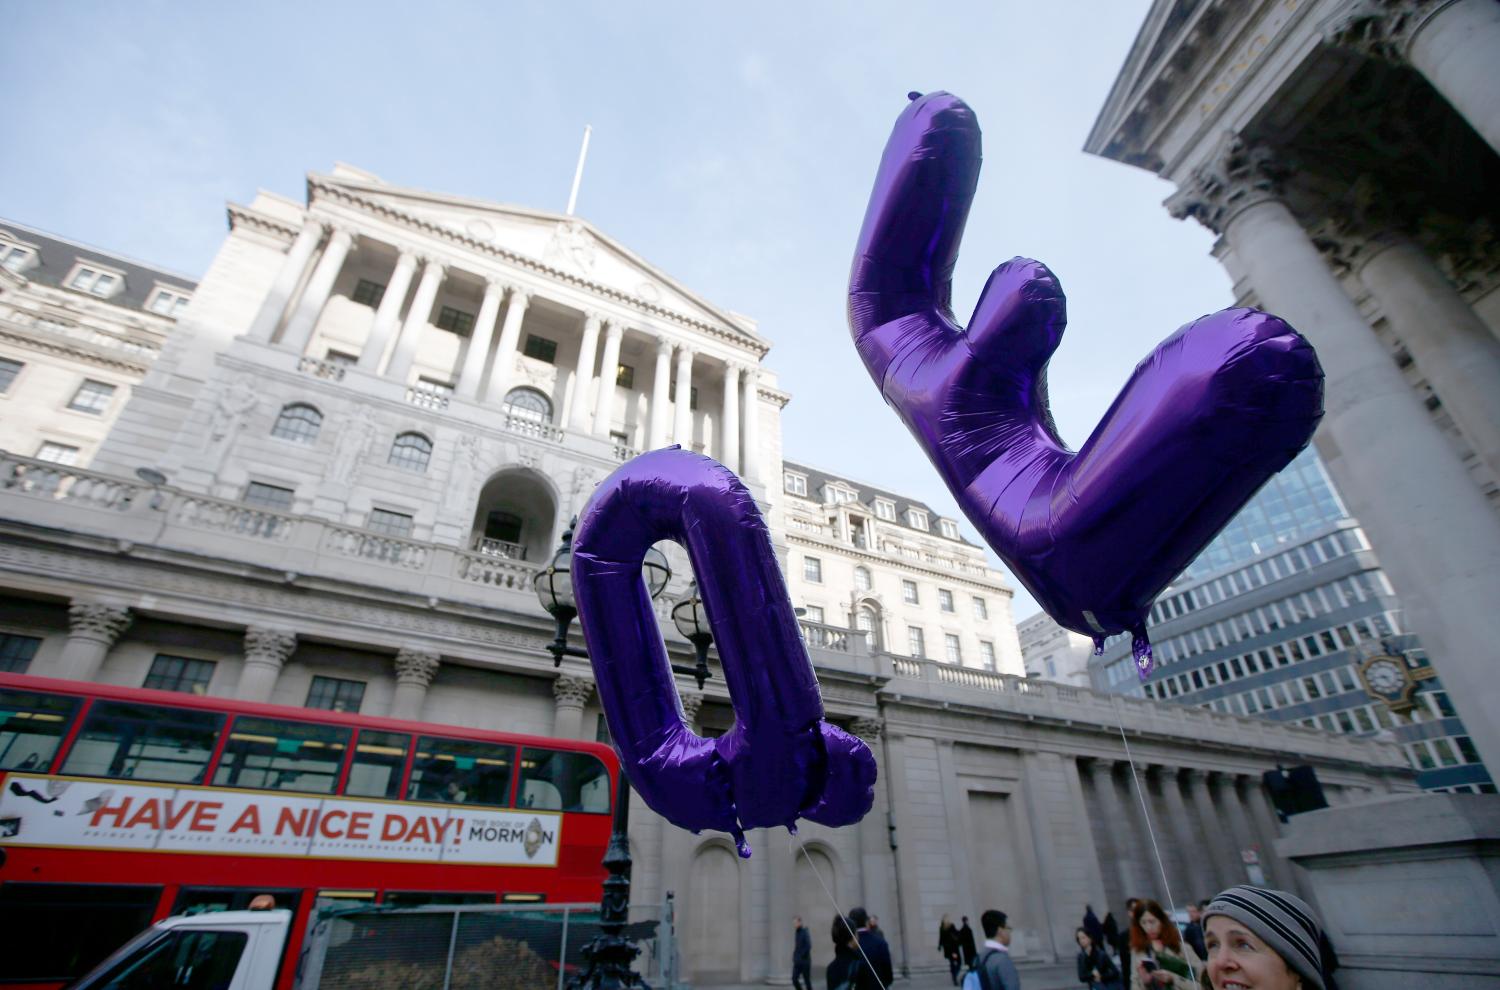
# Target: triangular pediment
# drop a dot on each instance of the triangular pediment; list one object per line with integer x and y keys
{"x": 569, "y": 246}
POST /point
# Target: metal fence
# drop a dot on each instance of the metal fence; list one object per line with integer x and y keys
{"x": 474, "y": 947}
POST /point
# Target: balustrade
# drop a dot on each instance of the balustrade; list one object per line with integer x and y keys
{"x": 496, "y": 572}
{"x": 499, "y": 548}
{"x": 318, "y": 368}
{"x": 427, "y": 395}
{"x": 391, "y": 550}
{"x": 58, "y": 482}
{"x": 203, "y": 512}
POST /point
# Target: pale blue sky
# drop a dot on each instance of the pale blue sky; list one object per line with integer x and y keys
{"x": 733, "y": 146}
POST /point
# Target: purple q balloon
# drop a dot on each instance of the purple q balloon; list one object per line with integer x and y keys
{"x": 781, "y": 761}
{"x": 1207, "y": 418}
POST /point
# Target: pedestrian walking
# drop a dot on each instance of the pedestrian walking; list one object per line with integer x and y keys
{"x": 966, "y": 943}
{"x": 1161, "y": 959}
{"x": 994, "y": 967}
{"x": 873, "y": 945}
{"x": 949, "y": 947}
{"x": 801, "y": 956}
{"x": 1192, "y": 932}
{"x": 1266, "y": 939}
{"x": 1095, "y": 967}
{"x": 847, "y": 967}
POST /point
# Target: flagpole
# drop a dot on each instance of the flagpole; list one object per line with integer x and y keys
{"x": 583, "y": 154}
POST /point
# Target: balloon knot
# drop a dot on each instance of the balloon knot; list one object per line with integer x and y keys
{"x": 913, "y": 95}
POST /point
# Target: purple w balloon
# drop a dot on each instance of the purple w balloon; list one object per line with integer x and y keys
{"x": 1208, "y": 417}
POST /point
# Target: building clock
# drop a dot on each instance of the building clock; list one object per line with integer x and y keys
{"x": 1387, "y": 679}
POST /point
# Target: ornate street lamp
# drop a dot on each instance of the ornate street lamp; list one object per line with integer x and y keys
{"x": 608, "y": 956}
{"x": 691, "y": 619}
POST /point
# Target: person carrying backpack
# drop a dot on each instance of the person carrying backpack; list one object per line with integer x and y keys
{"x": 993, "y": 970}
{"x": 848, "y": 970}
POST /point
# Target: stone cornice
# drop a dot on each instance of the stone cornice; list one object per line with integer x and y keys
{"x": 345, "y": 195}
{"x": 76, "y": 349}
{"x": 805, "y": 540}
{"x": 262, "y": 223}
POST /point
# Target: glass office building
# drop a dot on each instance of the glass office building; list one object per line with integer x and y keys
{"x": 1276, "y": 618}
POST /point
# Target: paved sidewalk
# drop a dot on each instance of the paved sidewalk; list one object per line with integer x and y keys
{"x": 1033, "y": 977}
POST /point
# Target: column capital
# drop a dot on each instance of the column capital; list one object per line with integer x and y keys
{"x": 665, "y": 345}
{"x": 692, "y": 704}
{"x": 613, "y": 327}
{"x": 868, "y": 727}
{"x": 1100, "y": 765}
{"x": 592, "y": 316}
{"x": 685, "y": 352}
{"x": 98, "y": 620}
{"x": 1236, "y": 177}
{"x": 407, "y": 255}
{"x": 269, "y": 646}
{"x": 431, "y": 261}
{"x": 495, "y": 285}
{"x": 1381, "y": 29}
{"x": 416, "y": 667}
{"x": 571, "y": 691}
{"x": 519, "y": 294}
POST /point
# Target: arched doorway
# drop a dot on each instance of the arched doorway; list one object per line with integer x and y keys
{"x": 813, "y": 906}
{"x": 711, "y": 933}
{"x": 516, "y": 517}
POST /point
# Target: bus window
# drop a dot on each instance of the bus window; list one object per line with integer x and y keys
{"x": 552, "y": 780}
{"x": 207, "y": 900}
{"x": 57, "y": 931}
{"x": 420, "y": 898}
{"x": 32, "y": 726}
{"x": 144, "y": 742}
{"x": 282, "y": 756}
{"x": 378, "y": 760}
{"x": 458, "y": 771}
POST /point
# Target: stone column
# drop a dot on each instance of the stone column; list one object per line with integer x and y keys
{"x": 416, "y": 321}
{"x": 266, "y": 652}
{"x": 729, "y": 422}
{"x": 93, "y": 628}
{"x": 660, "y": 382}
{"x": 580, "y": 417}
{"x": 1451, "y": 345}
{"x": 504, "y": 368}
{"x": 1199, "y": 872}
{"x": 1236, "y": 817}
{"x": 781, "y": 903}
{"x": 676, "y": 843}
{"x": 1264, "y": 826}
{"x": 1455, "y": 44}
{"x": 874, "y": 828}
{"x": 609, "y": 371}
{"x": 1116, "y": 825}
{"x": 1224, "y": 864}
{"x": 750, "y": 457}
{"x": 387, "y": 313}
{"x": 271, "y": 308}
{"x": 479, "y": 343}
{"x": 569, "y": 694}
{"x": 300, "y": 327}
{"x": 414, "y": 673}
{"x": 1438, "y": 538}
{"x": 692, "y": 704}
{"x": 682, "y": 428}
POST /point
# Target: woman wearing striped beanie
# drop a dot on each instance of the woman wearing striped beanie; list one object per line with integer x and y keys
{"x": 1261, "y": 939}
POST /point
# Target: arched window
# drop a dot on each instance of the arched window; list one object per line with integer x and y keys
{"x": 528, "y": 404}
{"x": 298, "y": 421}
{"x": 862, "y": 578}
{"x": 411, "y": 451}
{"x": 865, "y": 622}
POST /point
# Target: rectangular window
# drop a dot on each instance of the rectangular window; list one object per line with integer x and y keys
{"x": 540, "y": 348}
{"x": 794, "y": 484}
{"x": 57, "y": 453}
{"x": 13, "y": 257}
{"x": 92, "y": 280}
{"x": 625, "y": 376}
{"x": 67, "y": 929}
{"x": 368, "y": 293}
{"x": 951, "y": 648}
{"x": 917, "y": 519}
{"x": 169, "y": 673}
{"x": 340, "y": 359}
{"x": 389, "y": 523}
{"x": 32, "y": 726}
{"x": 129, "y": 741}
{"x": 335, "y": 694}
{"x": 379, "y": 758}
{"x": 8, "y": 371}
{"x": 814, "y": 613}
{"x": 812, "y": 569}
{"x": 16, "y": 652}
{"x": 455, "y": 320}
{"x": 909, "y": 592}
{"x": 987, "y": 654}
{"x": 945, "y": 599}
{"x": 552, "y": 780}
{"x": 981, "y": 610}
{"x": 914, "y": 642}
{"x": 92, "y": 397}
{"x": 885, "y": 509}
{"x": 273, "y": 755}
{"x": 166, "y": 303}
{"x": 949, "y": 528}
{"x": 458, "y": 771}
{"x": 268, "y": 497}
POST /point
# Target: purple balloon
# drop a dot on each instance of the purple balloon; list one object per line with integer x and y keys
{"x": 781, "y": 761}
{"x": 1208, "y": 417}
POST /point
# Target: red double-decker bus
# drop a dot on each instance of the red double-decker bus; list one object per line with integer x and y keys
{"x": 122, "y": 806}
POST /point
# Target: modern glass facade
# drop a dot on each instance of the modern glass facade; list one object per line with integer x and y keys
{"x": 1275, "y": 619}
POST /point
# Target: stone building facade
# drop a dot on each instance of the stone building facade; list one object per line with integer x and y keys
{"x": 341, "y": 530}
{"x": 1345, "y": 153}
{"x": 1054, "y": 653}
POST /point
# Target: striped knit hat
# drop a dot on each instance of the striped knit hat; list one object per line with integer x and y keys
{"x": 1282, "y": 921}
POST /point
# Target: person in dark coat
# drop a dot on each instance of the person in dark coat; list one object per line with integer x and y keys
{"x": 1192, "y": 932}
{"x": 873, "y": 945}
{"x": 1095, "y": 966}
{"x": 966, "y": 943}
{"x": 801, "y": 957}
{"x": 844, "y": 972}
{"x": 948, "y": 946}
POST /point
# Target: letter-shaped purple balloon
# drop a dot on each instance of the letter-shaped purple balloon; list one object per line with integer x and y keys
{"x": 781, "y": 761}
{"x": 1211, "y": 414}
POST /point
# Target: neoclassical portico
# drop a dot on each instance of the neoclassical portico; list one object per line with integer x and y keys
{"x": 1346, "y": 157}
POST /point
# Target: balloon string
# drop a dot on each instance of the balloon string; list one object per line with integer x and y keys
{"x": 837, "y": 910}
{"x": 1140, "y": 792}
